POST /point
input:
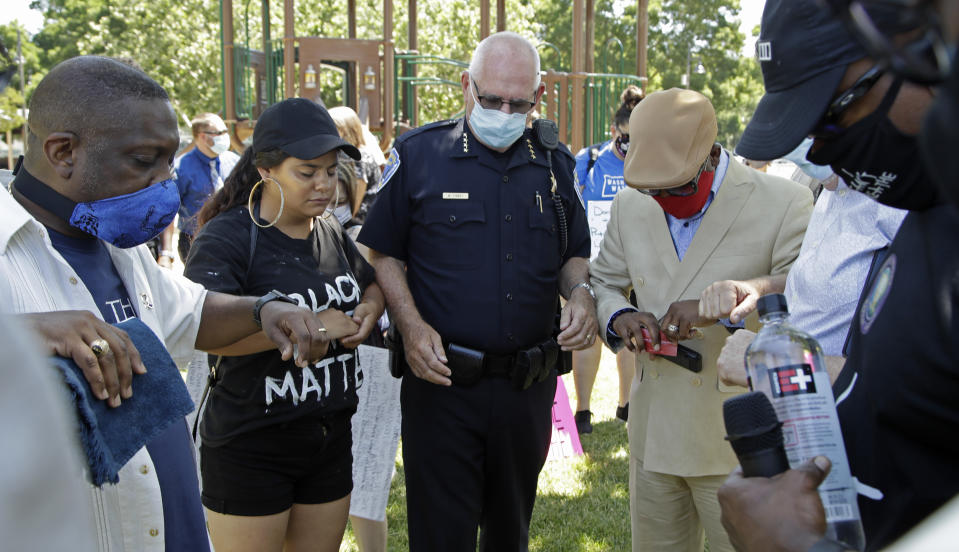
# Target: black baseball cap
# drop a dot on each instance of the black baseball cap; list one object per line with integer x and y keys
{"x": 301, "y": 128}
{"x": 803, "y": 50}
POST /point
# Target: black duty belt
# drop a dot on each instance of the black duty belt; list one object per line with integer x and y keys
{"x": 468, "y": 366}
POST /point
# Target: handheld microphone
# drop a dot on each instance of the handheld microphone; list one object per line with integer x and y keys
{"x": 755, "y": 434}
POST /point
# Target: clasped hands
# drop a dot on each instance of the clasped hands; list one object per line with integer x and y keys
{"x": 681, "y": 322}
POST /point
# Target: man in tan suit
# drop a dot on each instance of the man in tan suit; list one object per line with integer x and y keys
{"x": 694, "y": 215}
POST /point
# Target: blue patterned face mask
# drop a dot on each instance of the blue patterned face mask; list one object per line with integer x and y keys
{"x": 125, "y": 221}
{"x": 493, "y": 127}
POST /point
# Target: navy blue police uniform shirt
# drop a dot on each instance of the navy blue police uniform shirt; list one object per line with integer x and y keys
{"x": 172, "y": 450}
{"x": 479, "y": 233}
{"x": 898, "y": 393}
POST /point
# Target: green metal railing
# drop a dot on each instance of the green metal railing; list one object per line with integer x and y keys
{"x": 602, "y": 100}
{"x": 273, "y": 90}
{"x": 601, "y": 90}
{"x": 407, "y": 81}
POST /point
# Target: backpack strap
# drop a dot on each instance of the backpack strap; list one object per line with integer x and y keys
{"x": 211, "y": 378}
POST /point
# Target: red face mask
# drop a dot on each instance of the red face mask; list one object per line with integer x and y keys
{"x": 686, "y": 206}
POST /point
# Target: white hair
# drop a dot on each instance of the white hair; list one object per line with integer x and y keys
{"x": 507, "y": 42}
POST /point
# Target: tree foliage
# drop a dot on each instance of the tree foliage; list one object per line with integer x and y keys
{"x": 705, "y": 31}
{"x": 175, "y": 41}
{"x": 11, "y": 100}
{"x": 178, "y": 43}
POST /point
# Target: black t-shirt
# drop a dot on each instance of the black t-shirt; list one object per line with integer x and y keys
{"x": 323, "y": 271}
{"x": 898, "y": 394}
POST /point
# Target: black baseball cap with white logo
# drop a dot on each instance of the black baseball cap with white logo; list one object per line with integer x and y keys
{"x": 301, "y": 128}
{"x": 803, "y": 50}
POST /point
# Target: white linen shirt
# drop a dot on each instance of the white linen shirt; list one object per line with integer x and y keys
{"x": 824, "y": 284}
{"x": 36, "y": 278}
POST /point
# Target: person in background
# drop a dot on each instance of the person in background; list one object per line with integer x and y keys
{"x": 367, "y": 171}
{"x": 603, "y": 178}
{"x": 199, "y": 174}
{"x": 692, "y": 215}
{"x": 275, "y": 455}
{"x": 376, "y": 424}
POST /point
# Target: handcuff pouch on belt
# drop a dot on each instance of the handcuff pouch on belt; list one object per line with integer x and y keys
{"x": 394, "y": 343}
{"x": 468, "y": 366}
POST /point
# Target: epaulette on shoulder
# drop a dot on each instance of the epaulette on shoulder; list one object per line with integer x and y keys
{"x": 438, "y": 125}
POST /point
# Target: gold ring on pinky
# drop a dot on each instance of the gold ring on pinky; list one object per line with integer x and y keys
{"x": 100, "y": 347}
{"x": 589, "y": 336}
{"x": 321, "y": 330}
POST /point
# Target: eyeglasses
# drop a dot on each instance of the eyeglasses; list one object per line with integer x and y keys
{"x": 489, "y": 101}
{"x": 687, "y": 189}
{"x": 828, "y": 126}
{"x": 217, "y": 133}
{"x": 923, "y": 59}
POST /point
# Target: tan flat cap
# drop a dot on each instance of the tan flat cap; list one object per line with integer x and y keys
{"x": 670, "y": 135}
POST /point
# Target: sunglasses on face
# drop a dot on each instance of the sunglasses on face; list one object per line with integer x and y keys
{"x": 687, "y": 189}
{"x": 490, "y": 101}
{"x": 215, "y": 132}
{"x": 828, "y": 126}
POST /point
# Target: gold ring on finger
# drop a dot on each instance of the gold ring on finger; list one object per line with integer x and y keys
{"x": 100, "y": 347}
{"x": 672, "y": 328}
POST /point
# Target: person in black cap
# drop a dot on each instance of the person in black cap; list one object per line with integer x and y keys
{"x": 896, "y": 394}
{"x": 275, "y": 456}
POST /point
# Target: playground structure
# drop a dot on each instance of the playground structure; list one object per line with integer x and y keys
{"x": 381, "y": 84}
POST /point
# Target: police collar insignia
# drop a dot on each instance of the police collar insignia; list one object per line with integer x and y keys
{"x": 392, "y": 164}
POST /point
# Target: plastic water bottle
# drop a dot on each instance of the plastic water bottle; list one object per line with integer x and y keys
{"x": 788, "y": 366}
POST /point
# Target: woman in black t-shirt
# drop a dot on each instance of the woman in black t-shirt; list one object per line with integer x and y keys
{"x": 275, "y": 456}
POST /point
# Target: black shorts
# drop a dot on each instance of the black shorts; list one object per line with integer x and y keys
{"x": 267, "y": 470}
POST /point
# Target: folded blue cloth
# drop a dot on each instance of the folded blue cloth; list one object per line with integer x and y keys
{"x": 111, "y": 436}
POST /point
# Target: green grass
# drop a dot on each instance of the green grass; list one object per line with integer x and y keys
{"x": 582, "y": 504}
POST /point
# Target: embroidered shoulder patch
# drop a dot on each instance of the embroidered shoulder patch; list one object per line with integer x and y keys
{"x": 877, "y": 294}
{"x": 579, "y": 193}
{"x": 392, "y": 165}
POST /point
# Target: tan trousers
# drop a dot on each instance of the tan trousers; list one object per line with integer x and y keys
{"x": 669, "y": 513}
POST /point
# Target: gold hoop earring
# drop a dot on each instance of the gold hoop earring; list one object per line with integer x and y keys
{"x": 327, "y": 213}
{"x": 249, "y": 203}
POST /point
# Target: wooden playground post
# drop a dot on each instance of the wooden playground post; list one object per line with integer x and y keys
{"x": 229, "y": 94}
{"x": 389, "y": 71}
{"x": 642, "y": 32}
{"x": 289, "y": 50}
{"x": 484, "y": 19}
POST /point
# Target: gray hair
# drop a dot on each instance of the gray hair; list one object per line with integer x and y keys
{"x": 507, "y": 42}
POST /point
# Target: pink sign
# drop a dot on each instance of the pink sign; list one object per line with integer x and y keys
{"x": 565, "y": 442}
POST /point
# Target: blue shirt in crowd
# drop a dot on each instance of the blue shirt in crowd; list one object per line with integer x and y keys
{"x": 197, "y": 177}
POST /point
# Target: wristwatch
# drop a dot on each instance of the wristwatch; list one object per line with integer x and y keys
{"x": 586, "y": 286}
{"x": 274, "y": 295}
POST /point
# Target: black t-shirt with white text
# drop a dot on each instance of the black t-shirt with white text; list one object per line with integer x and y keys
{"x": 320, "y": 272}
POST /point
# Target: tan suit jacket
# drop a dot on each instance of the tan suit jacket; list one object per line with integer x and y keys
{"x": 753, "y": 227}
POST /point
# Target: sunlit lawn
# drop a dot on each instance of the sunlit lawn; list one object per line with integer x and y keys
{"x": 582, "y": 503}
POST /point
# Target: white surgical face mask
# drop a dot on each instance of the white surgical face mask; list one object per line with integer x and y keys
{"x": 343, "y": 213}
{"x": 221, "y": 143}
{"x": 493, "y": 127}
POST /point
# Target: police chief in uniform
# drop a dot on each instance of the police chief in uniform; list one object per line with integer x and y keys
{"x": 468, "y": 246}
